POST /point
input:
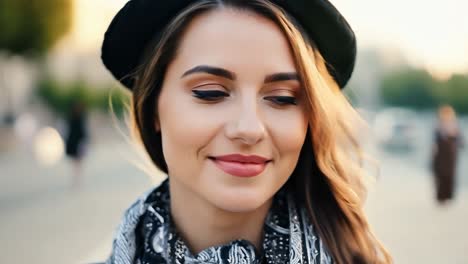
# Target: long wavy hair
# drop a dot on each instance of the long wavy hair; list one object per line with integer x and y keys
{"x": 328, "y": 180}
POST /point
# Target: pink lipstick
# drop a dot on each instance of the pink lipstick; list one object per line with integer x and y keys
{"x": 241, "y": 165}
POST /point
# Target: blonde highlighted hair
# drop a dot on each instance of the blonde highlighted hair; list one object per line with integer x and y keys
{"x": 328, "y": 180}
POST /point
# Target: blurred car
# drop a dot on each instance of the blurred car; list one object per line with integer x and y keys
{"x": 395, "y": 129}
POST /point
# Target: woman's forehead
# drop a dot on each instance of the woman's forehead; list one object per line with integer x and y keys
{"x": 233, "y": 37}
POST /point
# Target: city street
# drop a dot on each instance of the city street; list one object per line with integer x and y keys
{"x": 65, "y": 66}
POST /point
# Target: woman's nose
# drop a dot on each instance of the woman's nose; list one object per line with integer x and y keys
{"x": 246, "y": 125}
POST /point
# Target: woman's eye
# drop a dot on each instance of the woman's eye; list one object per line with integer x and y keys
{"x": 209, "y": 95}
{"x": 282, "y": 100}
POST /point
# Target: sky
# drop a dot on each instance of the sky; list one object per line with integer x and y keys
{"x": 429, "y": 33}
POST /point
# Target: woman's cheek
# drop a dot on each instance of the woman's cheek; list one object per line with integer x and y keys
{"x": 194, "y": 124}
{"x": 288, "y": 129}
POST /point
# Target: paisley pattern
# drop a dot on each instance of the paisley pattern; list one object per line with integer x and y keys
{"x": 147, "y": 235}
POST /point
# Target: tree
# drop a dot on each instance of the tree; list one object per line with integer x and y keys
{"x": 455, "y": 92}
{"x": 417, "y": 89}
{"x": 410, "y": 88}
{"x": 30, "y": 28}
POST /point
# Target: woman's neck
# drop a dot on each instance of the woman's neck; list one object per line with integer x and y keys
{"x": 202, "y": 225}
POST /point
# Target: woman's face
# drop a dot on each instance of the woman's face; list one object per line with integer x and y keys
{"x": 231, "y": 111}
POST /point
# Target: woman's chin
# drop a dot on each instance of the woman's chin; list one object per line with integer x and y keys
{"x": 239, "y": 201}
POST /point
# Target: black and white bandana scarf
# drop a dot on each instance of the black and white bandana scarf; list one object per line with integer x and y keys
{"x": 147, "y": 236}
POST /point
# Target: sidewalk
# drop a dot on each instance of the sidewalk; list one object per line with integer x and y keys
{"x": 42, "y": 221}
{"x": 403, "y": 213}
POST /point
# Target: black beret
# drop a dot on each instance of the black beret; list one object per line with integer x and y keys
{"x": 139, "y": 21}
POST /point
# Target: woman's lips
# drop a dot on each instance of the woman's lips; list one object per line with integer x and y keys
{"x": 241, "y": 165}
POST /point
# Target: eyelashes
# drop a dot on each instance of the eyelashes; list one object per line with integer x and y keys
{"x": 282, "y": 100}
{"x": 209, "y": 95}
{"x": 217, "y": 95}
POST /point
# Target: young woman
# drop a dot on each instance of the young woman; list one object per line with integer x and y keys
{"x": 447, "y": 141}
{"x": 76, "y": 141}
{"x": 240, "y": 103}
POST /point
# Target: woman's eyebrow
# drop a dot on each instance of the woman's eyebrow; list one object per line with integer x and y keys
{"x": 282, "y": 76}
{"x": 276, "y": 77}
{"x": 211, "y": 70}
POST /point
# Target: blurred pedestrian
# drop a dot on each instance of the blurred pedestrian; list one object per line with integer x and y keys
{"x": 240, "y": 103}
{"x": 76, "y": 139}
{"x": 447, "y": 141}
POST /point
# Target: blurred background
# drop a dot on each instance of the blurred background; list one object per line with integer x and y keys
{"x": 67, "y": 171}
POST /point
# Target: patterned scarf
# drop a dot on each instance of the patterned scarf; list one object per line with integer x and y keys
{"x": 147, "y": 235}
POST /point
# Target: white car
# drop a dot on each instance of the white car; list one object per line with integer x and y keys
{"x": 395, "y": 129}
